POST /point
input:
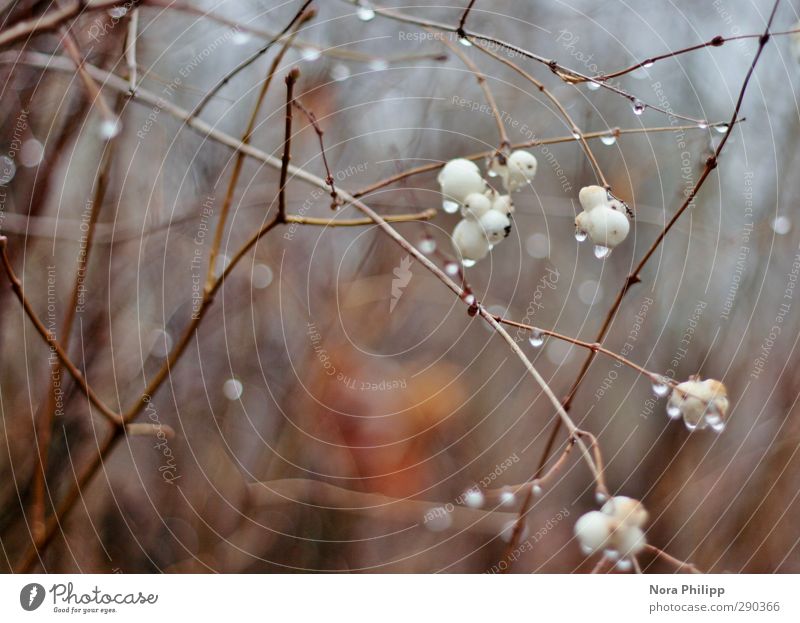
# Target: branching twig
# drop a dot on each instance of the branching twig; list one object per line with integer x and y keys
{"x": 291, "y": 79}
{"x": 16, "y": 286}
{"x": 249, "y": 61}
{"x": 312, "y": 119}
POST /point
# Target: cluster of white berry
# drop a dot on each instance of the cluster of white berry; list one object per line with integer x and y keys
{"x": 487, "y": 212}
{"x": 604, "y": 219}
{"x": 615, "y": 530}
{"x": 699, "y": 403}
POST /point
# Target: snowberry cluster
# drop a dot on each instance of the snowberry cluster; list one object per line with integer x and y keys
{"x": 604, "y": 219}
{"x": 486, "y": 212}
{"x": 615, "y": 530}
{"x": 700, "y": 403}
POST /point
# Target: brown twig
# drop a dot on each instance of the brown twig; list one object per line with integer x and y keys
{"x": 679, "y": 564}
{"x": 47, "y": 335}
{"x": 463, "y": 21}
{"x": 45, "y": 419}
{"x": 616, "y": 132}
{"x": 52, "y": 20}
{"x": 570, "y": 76}
{"x": 576, "y": 131}
{"x": 312, "y": 119}
{"x": 249, "y": 60}
{"x": 246, "y": 137}
{"x": 291, "y": 79}
{"x": 505, "y": 142}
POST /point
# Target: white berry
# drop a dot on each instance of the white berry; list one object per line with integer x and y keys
{"x": 592, "y": 531}
{"x": 495, "y": 225}
{"x": 470, "y": 241}
{"x": 521, "y": 168}
{"x": 591, "y": 197}
{"x": 476, "y": 205}
{"x": 606, "y": 227}
{"x": 459, "y": 182}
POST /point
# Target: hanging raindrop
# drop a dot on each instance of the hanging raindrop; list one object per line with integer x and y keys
{"x": 451, "y": 207}
{"x": 427, "y": 245}
{"x": 660, "y": 387}
{"x": 673, "y": 412}
{"x": 536, "y": 338}
{"x": 451, "y": 268}
{"x": 365, "y": 12}
{"x": 468, "y": 263}
{"x": 638, "y": 107}
{"x": 601, "y": 252}
{"x": 608, "y": 139}
{"x": 580, "y": 235}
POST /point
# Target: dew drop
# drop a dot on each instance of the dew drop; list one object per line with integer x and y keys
{"x": 718, "y": 427}
{"x": 690, "y": 426}
{"x": 660, "y": 387}
{"x": 608, "y": 139}
{"x": 507, "y": 533}
{"x": 601, "y": 252}
{"x": 109, "y": 128}
{"x": 262, "y": 276}
{"x": 438, "y": 519}
{"x": 580, "y": 235}
{"x": 507, "y": 498}
{"x": 536, "y": 338}
{"x": 451, "y": 207}
{"x": 473, "y": 498}
{"x": 647, "y": 64}
{"x": 702, "y": 125}
{"x": 624, "y": 565}
{"x": 31, "y": 153}
{"x": 673, "y": 412}
{"x": 340, "y": 72}
{"x": 310, "y": 54}
{"x": 593, "y": 86}
{"x": 587, "y": 550}
{"x": 611, "y": 554}
{"x": 161, "y": 344}
{"x": 781, "y": 225}
{"x": 465, "y": 42}
{"x": 600, "y": 497}
{"x": 722, "y": 128}
{"x": 117, "y": 12}
{"x": 451, "y": 268}
{"x": 538, "y": 245}
{"x": 233, "y": 389}
{"x": 537, "y": 490}
{"x": 240, "y": 38}
{"x": 576, "y": 135}
{"x": 365, "y": 13}
{"x": 638, "y": 107}
{"x": 379, "y": 64}
{"x": 469, "y": 299}
{"x": 468, "y": 263}
{"x": 427, "y": 245}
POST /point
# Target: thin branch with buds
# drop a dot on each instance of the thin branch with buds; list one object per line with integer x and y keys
{"x": 634, "y": 276}
{"x": 312, "y": 119}
{"x": 249, "y": 60}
